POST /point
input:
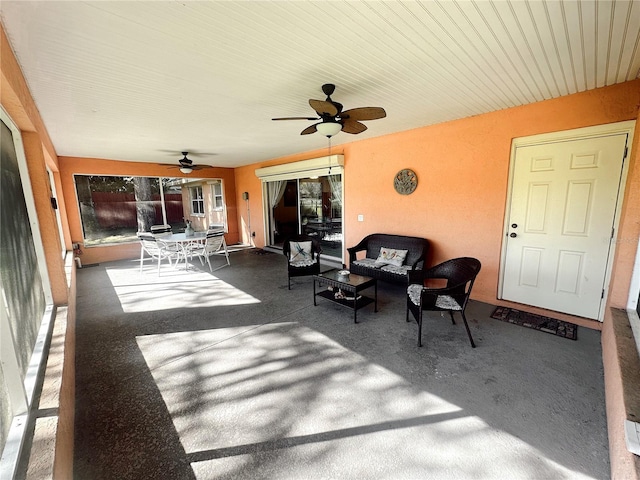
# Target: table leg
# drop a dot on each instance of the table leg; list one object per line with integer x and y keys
{"x": 355, "y": 307}
{"x": 375, "y": 288}
{"x": 183, "y": 247}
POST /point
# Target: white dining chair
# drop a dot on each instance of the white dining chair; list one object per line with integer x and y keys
{"x": 214, "y": 243}
{"x": 156, "y": 249}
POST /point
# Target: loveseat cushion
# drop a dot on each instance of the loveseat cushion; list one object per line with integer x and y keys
{"x": 367, "y": 263}
{"x": 391, "y": 256}
{"x": 397, "y": 270}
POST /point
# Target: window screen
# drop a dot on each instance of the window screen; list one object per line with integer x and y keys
{"x": 20, "y": 279}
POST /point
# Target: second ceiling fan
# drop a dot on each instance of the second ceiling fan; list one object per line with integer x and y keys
{"x": 186, "y": 165}
{"x": 333, "y": 119}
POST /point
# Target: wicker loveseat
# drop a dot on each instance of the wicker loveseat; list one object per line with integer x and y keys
{"x": 416, "y": 247}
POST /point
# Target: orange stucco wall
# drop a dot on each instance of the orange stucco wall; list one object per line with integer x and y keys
{"x": 74, "y": 165}
{"x": 462, "y": 168}
{"x": 18, "y": 103}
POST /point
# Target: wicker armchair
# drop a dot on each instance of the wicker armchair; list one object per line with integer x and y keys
{"x": 301, "y": 261}
{"x": 460, "y": 274}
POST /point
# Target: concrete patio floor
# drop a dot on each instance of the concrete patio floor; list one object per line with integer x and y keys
{"x": 193, "y": 375}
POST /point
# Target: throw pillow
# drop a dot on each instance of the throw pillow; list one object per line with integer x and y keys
{"x": 300, "y": 251}
{"x": 390, "y": 256}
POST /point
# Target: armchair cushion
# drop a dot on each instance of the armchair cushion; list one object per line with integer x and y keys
{"x": 445, "y": 302}
{"x": 414, "y": 291}
{"x": 300, "y": 252}
{"x": 302, "y": 263}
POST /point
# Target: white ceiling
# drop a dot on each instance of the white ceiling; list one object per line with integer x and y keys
{"x": 144, "y": 80}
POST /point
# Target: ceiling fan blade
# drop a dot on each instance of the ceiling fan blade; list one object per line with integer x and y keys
{"x": 323, "y": 107}
{"x": 296, "y": 118}
{"x": 185, "y": 165}
{"x": 364, "y": 113}
{"x": 353, "y": 126}
{"x": 309, "y": 129}
{"x": 178, "y": 153}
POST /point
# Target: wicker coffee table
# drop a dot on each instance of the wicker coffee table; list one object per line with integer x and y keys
{"x": 350, "y": 287}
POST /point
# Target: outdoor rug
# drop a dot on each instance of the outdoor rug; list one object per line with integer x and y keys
{"x": 537, "y": 322}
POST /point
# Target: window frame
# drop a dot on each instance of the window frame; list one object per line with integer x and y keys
{"x": 196, "y": 200}
{"x": 215, "y": 197}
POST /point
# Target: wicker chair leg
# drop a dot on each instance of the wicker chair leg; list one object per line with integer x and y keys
{"x": 420, "y": 329}
{"x": 289, "y": 281}
{"x": 473, "y": 345}
{"x": 453, "y": 320}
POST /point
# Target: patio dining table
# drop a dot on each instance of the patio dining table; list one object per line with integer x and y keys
{"x": 182, "y": 243}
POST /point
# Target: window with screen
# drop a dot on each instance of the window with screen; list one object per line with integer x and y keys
{"x": 24, "y": 301}
{"x": 197, "y": 201}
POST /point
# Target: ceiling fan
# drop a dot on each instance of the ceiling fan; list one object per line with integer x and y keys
{"x": 186, "y": 165}
{"x": 333, "y": 119}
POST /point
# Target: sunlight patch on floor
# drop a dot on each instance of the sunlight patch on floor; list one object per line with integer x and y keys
{"x": 173, "y": 289}
{"x": 160, "y": 349}
{"x": 274, "y": 394}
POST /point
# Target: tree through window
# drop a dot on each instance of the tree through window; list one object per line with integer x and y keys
{"x": 113, "y": 209}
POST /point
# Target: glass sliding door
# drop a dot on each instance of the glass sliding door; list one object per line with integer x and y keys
{"x": 332, "y": 242}
{"x": 285, "y": 220}
{"x": 311, "y": 206}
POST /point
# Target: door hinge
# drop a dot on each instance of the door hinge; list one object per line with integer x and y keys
{"x": 613, "y": 232}
{"x": 602, "y": 296}
{"x": 626, "y": 151}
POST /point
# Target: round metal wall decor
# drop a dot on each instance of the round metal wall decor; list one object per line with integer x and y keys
{"x": 405, "y": 181}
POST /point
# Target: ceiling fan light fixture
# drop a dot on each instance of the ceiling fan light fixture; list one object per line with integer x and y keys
{"x": 186, "y": 170}
{"x": 329, "y": 129}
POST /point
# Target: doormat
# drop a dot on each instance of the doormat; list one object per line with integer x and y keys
{"x": 537, "y": 322}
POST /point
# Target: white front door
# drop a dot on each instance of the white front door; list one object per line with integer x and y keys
{"x": 560, "y": 223}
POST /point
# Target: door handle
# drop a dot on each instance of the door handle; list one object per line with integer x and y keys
{"x": 513, "y": 234}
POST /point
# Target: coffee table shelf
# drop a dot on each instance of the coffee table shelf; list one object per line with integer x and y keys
{"x": 350, "y": 285}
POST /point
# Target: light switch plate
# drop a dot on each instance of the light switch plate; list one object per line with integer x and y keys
{"x": 361, "y": 218}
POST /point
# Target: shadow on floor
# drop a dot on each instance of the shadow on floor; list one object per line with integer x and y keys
{"x": 193, "y": 375}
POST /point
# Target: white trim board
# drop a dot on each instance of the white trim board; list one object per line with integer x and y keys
{"x": 321, "y": 166}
